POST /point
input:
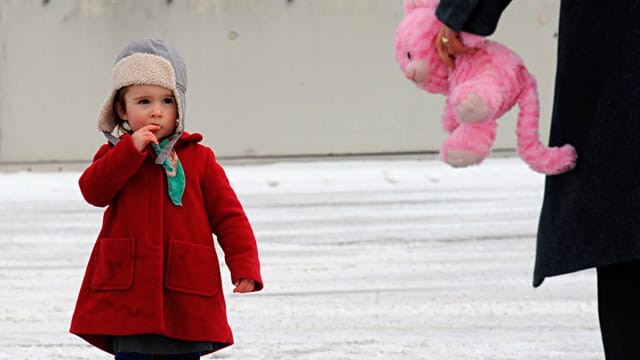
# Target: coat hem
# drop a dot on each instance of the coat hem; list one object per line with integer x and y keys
{"x": 538, "y": 278}
{"x": 105, "y": 342}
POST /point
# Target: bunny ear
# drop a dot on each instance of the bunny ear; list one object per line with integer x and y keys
{"x": 472, "y": 40}
{"x": 410, "y": 5}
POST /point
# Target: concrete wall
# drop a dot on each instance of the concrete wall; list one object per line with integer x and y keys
{"x": 266, "y": 77}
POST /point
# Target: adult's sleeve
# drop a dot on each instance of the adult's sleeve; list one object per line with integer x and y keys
{"x": 478, "y": 17}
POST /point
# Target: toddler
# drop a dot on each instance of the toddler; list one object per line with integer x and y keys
{"x": 152, "y": 288}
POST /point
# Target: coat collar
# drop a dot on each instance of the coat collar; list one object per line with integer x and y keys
{"x": 186, "y": 138}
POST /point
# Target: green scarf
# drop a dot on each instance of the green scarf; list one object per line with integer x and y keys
{"x": 175, "y": 173}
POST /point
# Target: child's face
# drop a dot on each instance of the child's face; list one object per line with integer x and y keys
{"x": 150, "y": 104}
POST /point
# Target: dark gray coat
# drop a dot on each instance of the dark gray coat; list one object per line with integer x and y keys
{"x": 590, "y": 216}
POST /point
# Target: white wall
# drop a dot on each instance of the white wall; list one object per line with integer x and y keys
{"x": 266, "y": 77}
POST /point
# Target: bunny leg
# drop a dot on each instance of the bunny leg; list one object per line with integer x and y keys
{"x": 469, "y": 144}
{"x": 475, "y": 101}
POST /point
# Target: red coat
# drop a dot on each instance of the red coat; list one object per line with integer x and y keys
{"x": 153, "y": 268}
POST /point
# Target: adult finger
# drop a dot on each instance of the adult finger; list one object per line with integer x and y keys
{"x": 455, "y": 46}
{"x": 442, "y": 48}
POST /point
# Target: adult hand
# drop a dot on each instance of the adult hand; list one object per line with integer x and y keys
{"x": 143, "y": 136}
{"x": 244, "y": 286}
{"x": 449, "y": 44}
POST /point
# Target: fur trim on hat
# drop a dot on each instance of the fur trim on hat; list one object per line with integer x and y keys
{"x": 139, "y": 69}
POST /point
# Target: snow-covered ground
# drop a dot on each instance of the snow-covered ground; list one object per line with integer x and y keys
{"x": 396, "y": 258}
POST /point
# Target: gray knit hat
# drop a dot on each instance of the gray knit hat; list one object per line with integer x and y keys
{"x": 147, "y": 62}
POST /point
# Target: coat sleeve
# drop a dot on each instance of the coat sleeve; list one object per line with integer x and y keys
{"x": 478, "y": 17}
{"x": 231, "y": 225}
{"x": 110, "y": 170}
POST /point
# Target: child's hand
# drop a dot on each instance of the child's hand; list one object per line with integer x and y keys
{"x": 448, "y": 45}
{"x": 143, "y": 136}
{"x": 244, "y": 286}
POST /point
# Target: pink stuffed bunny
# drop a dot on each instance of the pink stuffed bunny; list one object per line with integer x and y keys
{"x": 482, "y": 87}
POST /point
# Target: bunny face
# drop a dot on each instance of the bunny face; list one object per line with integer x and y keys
{"x": 415, "y": 47}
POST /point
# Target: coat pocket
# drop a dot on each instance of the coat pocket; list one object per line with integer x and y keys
{"x": 192, "y": 268}
{"x": 113, "y": 264}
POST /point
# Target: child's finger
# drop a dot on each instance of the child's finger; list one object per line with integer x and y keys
{"x": 150, "y": 138}
{"x": 240, "y": 288}
{"x": 151, "y": 127}
{"x": 244, "y": 286}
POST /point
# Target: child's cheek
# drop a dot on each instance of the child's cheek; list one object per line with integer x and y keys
{"x": 140, "y": 119}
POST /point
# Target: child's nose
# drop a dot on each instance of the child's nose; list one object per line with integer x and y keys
{"x": 155, "y": 112}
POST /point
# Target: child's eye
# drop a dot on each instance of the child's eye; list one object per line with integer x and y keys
{"x": 168, "y": 100}
{"x": 143, "y": 101}
{"x": 409, "y": 55}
